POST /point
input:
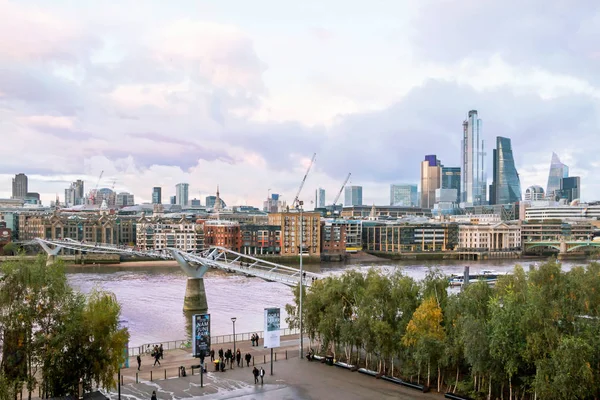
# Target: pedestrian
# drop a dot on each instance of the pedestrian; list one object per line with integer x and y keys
{"x": 153, "y": 395}
{"x": 212, "y": 355}
{"x": 161, "y": 351}
{"x": 252, "y": 340}
{"x": 238, "y": 357}
{"x": 262, "y": 374}
{"x": 156, "y": 359}
{"x": 139, "y": 360}
{"x": 221, "y": 352}
{"x": 248, "y": 358}
{"x": 255, "y": 373}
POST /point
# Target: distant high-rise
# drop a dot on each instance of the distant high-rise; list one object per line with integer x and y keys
{"x": 570, "y": 188}
{"x": 558, "y": 171}
{"x": 19, "y": 186}
{"x": 451, "y": 180}
{"x": 403, "y": 195}
{"x": 472, "y": 173}
{"x": 353, "y": 196}
{"x": 173, "y": 199}
{"x": 534, "y": 193}
{"x": 157, "y": 195}
{"x": 182, "y": 194}
{"x": 506, "y": 186}
{"x": 125, "y": 199}
{"x": 320, "y": 198}
{"x": 211, "y": 202}
{"x": 431, "y": 173}
{"x": 74, "y": 194}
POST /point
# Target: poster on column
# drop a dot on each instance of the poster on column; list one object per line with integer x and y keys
{"x": 200, "y": 334}
{"x": 272, "y": 326}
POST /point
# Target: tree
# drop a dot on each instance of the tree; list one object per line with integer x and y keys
{"x": 10, "y": 249}
{"x": 425, "y": 333}
{"x": 43, "y": 323}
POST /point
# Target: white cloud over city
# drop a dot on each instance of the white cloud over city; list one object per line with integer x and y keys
{"x": 241, "y": 94}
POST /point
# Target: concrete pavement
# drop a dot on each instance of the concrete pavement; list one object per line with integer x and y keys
{"x": 293, "y": 378}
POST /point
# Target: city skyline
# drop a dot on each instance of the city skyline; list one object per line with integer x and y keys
{"x": 74, "y": 101}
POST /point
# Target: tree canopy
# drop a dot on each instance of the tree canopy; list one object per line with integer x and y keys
{"x": 535, "y": 334}
{"x": 53, "y": 337}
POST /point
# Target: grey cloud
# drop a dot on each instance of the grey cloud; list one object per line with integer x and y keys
{"x": 558, "y": 35}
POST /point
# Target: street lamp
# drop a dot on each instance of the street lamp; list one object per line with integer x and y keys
{"x": 234, "y": 351}
{"x": 301, "y": 203}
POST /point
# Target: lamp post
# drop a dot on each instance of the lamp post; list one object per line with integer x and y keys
{"x": 301, "y": 203}
{"x": 234, "y": 350}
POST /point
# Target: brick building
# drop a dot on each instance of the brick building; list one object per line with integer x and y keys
{"x": 333, "y": 241}
{"x": 220, "y": 233}
{"x": 289, "y": 223}
{"x": 260, "y": 239}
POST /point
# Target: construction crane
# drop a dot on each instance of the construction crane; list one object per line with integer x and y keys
{"x": 93, "y": 192}
{"x": 341, "y": 190}
{"x": 296, "y": 202}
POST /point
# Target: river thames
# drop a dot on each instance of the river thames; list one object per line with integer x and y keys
{"x": 152, "y": 297}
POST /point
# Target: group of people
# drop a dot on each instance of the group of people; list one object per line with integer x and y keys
{"x": 254, "y": 339}
{"x": 227, "y": 358}
{"x": 258, "y": 373}
{"x": 157, "y": 353}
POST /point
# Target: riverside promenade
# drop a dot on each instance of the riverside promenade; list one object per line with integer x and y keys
{"x": 293, "y": 378}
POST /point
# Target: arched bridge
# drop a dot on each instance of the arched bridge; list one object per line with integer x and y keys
{"x": 194, "y": 265}
{"x": 562, "y": 246}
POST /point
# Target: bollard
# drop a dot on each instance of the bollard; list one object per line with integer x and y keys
{"x": 179, "y": 372}
{"x": 286, "y": 355}
{"x": 275, "y": 356}
{"x": 150, "y": 376}
{"x": 165, "y": 373}
{"x": 121, "y": 380}
{"x": 137, "y": 380}
{"x": 264, "y": 359}
{"x": 253, "y": 361}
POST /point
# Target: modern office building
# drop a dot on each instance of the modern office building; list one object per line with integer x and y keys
{"x": 182, "y": 194}
{"x": 403, "y": 195}
{"x": 506, "y": 186}
{"x": 157, "y": 195}
{"x": 320, "y": 198}
{"x": 451, "y": 180}
{"x": 173, "y": 200}
{"x": 473, "y": 176}
{"x": 353, "y": 196}
{"x": 19, "y": 186}
{"x": 570, "y": 188}
{"x": 125, "y": 199}
{"x": 195, "y": 203}
{"x": 534, "y": 193}
{"x": 431, "y": 174}
{"x": 558, "y": 171}
{"x": 74, "y": 194}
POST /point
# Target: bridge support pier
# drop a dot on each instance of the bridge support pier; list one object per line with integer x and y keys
{"x": 52, "y": 253}
{"x": 195, "y": 295}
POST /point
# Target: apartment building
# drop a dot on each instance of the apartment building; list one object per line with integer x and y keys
{"x": 293, "y": 224}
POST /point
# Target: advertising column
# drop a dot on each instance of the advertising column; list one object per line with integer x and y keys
{"x": 201, "y": 340}
{"x": 272, "y": 330}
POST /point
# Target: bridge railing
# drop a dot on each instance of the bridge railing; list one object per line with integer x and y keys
{"x": 214, "y": 340}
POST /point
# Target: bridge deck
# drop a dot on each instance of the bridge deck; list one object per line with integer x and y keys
{"x": 214, "y": 257}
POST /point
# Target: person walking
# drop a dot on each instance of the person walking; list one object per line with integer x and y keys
{"x": 139, "y": 360}
{"x": 212, "y": 355}
{"x": 262, "y": 374}
{"x": 161, "y": 351}
{"x": 255, "y": 373}
{"x": 156, "y": 359}
{"x": 248, "y": 358}
{"x": 238, "y": 357}
{"x": 153, "y": 395}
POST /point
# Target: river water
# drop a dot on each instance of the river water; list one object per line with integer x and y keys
{"x": 152, "y": 297}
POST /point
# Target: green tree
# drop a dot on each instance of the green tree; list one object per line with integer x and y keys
{"x": 10, "y": 249}
{"x": 45, "y": 324}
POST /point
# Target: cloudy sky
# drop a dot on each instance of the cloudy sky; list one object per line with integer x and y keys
{"x": 242, "y": 93}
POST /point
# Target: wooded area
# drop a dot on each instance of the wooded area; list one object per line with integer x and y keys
{"x": 536, "y": 334}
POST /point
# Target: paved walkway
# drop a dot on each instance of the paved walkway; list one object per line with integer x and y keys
{"x": 293, "y": 378}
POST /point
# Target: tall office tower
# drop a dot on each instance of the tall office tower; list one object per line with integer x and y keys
{"x": 472, "y": 173}
{"x": 320, "y": 198}
{"x": 570, "y": 188}
{"x": 534, "y": 193}
{"x": 451, "y": 180}
{"x": 403, "y": 195}
{"x": 74, "y": 195}
{"x": 557, "y": 172}
{"x": 157, "y": 195}
{"x": 506, "y": 185}
{"x": 173, "y": 200}
{"x": 182, "y": 194}
{"x": 19, "y": 186}
{"x": 431, "y": 173}
{"x": 353, "y": 196}
{"x": 124, "y": 199}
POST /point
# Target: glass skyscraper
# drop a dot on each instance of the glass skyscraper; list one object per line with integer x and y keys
{"x": 182, "y": 194}
{"x": 431, "y": 172}
{"x": 451, "y": 180}
{"x": 506, "y": 186}
{"x": 403, "y": 195}
{"x": 558, "y": 171}
{"x": 353, "y": 196}
{"x": 473, "y": 176}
